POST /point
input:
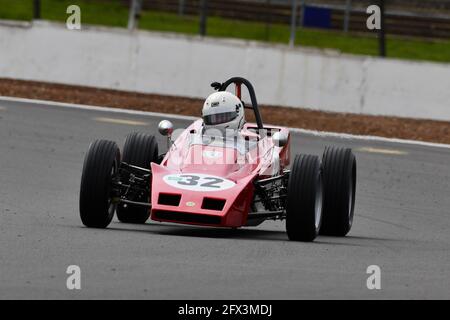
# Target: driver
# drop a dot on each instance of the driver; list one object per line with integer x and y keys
{"x": 223, "y": 111}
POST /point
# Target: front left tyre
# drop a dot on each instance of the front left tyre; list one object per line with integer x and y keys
{"x": 99, "y": 169}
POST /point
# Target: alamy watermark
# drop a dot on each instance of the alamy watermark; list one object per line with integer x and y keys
{"x": 224, "y": 147}
{"x": 374, "y": 280}
{"x": 374, "y": 20}
{"x": 73, "y": 22}
{"x": 73, "y": 281}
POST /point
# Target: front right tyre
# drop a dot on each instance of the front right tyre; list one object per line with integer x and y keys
{"x": 140, "y": 150}
{"x": 304, "y": 199}
{"x": 99, "y": 169}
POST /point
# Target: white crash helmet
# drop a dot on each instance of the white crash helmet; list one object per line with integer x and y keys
{"x": 223, "y": 110}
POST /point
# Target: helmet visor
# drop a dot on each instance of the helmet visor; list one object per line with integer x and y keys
{"x": 219, "y": 118}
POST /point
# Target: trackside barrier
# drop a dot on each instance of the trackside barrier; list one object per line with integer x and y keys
{"x": 165, "y": 63}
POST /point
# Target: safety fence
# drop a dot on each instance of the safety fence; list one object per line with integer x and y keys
{"x": 410, "y": 18}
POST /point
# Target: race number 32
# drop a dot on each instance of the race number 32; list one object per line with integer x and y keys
{"x": 198, "y": 182}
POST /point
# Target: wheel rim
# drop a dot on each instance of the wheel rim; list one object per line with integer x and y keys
{"x": 350, "y": 204}
{"x": 111, "y": 205}
{"x": 318, "y": 204}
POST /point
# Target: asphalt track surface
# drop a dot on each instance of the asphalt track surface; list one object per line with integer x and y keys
{"x": 402, "y": 223}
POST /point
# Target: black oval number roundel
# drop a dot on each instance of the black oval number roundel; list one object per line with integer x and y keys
{"x": 193, "y": 180}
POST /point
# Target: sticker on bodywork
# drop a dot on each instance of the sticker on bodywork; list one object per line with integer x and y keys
{"x": 212, "y": 154}
{"x": 198, "y": 182}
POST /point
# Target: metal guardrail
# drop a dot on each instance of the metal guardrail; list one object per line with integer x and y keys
{"x": 427, "y": 19}
{"x": 402, "y": 18}
{"x": 417, "y": 18}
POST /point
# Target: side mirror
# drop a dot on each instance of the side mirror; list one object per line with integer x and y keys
{"x": 279, "y": 139}
{"x": 165, "y": 128}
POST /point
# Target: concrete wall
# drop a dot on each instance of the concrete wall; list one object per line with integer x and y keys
{"x": 185, "y": 66}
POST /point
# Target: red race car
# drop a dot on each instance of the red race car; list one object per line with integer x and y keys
{"x": 220, "y": 172}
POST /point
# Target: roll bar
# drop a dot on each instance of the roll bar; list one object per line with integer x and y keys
{"x": 238, "y": 81}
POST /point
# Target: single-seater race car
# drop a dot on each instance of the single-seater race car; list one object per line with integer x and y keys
{"x": 220, "y": 172}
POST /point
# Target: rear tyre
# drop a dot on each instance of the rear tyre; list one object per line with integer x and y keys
{"x": 304, "y": 199}
{"x": 100, "y": 167}
{"x": 140, "y": 150}
{"x": 339, "y": 179}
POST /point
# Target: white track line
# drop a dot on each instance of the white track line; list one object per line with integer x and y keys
{"x": 182, "y": 117}
{"x": 348, "y": 136}
{"x": 97, "y": 108}
{"x": 381, "y": 151}
{"x": 121, "y": 121}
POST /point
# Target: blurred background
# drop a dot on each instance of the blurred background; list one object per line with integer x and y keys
{"x": 413, "y": 29}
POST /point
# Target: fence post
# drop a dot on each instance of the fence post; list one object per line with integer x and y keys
{"x": 293, "y": 23}
{"x": 203, "y": 16}
{"x": 302, "y": 12}
{"x": 36, "y": 9}
{"x": 181, "y": 4}
{"x": 133, "y": 18}
{"x": 348, "y": 8}
{"x": 382, "y": 31}
{"x": 268, "y": 19}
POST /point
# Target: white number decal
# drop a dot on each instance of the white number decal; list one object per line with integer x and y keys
{"x": 198, "y": 182}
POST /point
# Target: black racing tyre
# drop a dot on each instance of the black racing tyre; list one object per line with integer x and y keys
{"x": 100, "y": 166}
{"x": 140, "y": 150}
{"x": 304, "y": 199}
{"x": 339, "y": 185}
